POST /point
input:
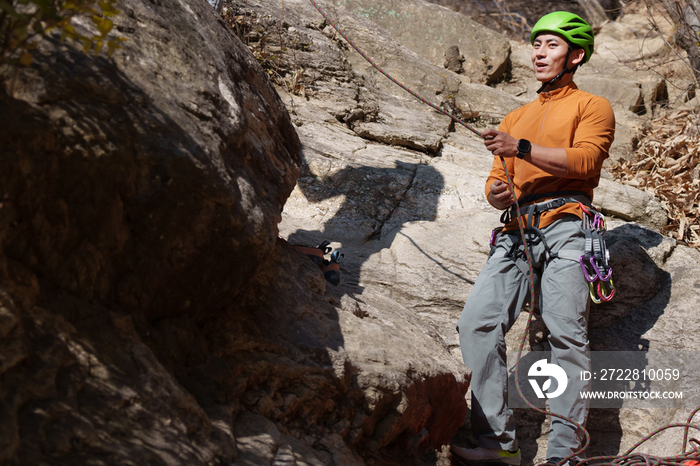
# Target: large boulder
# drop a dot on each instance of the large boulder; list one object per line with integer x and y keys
{"x": 142, "y": 267}
{"x": 629, "y": 203}
{"x": 127, "y": 179}
{"x": 134, "y": 188}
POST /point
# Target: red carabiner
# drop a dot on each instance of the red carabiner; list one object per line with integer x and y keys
{"x": 612, "y": 290}
{"x": 584, "y": 209}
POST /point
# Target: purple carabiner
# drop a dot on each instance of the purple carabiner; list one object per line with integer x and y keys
{"x": 597, "y": 272}
{"x": 589, "y": 278}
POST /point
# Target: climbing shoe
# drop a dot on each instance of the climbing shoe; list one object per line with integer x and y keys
{"x": 316, "y": 254}
{"x": 331, "y": 268}
{"x": 484, "y": 456}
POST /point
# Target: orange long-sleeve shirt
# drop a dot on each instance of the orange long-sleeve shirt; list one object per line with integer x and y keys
{"x": 581, "y": 123}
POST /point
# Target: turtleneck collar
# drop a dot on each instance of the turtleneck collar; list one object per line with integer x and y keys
{"x": 560, "y": 93}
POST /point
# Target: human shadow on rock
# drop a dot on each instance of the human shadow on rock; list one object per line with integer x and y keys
{"x": 377, "y": 202}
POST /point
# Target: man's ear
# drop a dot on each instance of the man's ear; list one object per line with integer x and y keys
{"x": 577, "y": 56}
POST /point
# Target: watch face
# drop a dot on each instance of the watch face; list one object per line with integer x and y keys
{"x": 523, "y": 148}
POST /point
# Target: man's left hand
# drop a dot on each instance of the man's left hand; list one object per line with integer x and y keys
{"x": 500, "y": 143}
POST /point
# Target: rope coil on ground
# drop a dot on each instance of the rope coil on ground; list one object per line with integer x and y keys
{"x": 628, "y": 458}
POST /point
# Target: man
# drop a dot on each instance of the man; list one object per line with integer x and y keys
{"x": 554, "y": 148}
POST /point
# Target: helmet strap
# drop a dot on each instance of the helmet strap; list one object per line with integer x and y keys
{"x": 563, "y": 72}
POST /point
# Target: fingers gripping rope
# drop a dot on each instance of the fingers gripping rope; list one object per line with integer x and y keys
{"x": 628, "y": 459}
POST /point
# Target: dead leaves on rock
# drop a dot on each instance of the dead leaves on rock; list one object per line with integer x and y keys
{"x": 668, "y": 167}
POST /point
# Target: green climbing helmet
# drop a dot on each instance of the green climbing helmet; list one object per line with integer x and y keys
{"x": 572, "y": 27}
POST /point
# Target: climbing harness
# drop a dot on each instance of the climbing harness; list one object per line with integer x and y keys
{"x": 595, "y": 259}
{"x": 598, "y": 260}
{"x": 559, "y": 198}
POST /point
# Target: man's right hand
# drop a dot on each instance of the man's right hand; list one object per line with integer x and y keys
{"x": 500, "y": 196}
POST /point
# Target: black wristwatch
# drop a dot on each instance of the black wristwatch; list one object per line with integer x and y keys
{"x": 524, "y": 147}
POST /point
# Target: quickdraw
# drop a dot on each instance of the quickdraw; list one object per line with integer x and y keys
{"x": 595, "y": 261}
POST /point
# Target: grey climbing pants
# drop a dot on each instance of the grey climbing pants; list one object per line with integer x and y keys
{"x": 491, "y": 310}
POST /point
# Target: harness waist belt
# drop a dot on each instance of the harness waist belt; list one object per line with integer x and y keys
{"x": 533, "y": 211}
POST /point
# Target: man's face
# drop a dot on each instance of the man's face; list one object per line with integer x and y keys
{"x": 548, "y": 56}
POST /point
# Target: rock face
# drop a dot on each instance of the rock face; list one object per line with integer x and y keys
{"x": 429, "y": 30}
{"x": 133, "y": 189}
{"x": 91, "y": 391}
{"x": 150, "y": 169}
{"x": 153, "y": 308}
{"x": 414, "y": 225}
{"x": 628, "y": 203}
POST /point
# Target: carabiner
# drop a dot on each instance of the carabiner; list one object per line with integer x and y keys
{"x": 592, "y": 292}
{"x": 584, "y": 209}
{"x": 589, "y": 278}
{"x": 597, "y": 272}
{"x": 602, "y": 295}
{"x": 494, "y": 235}
{"x": 597, "y": 223}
